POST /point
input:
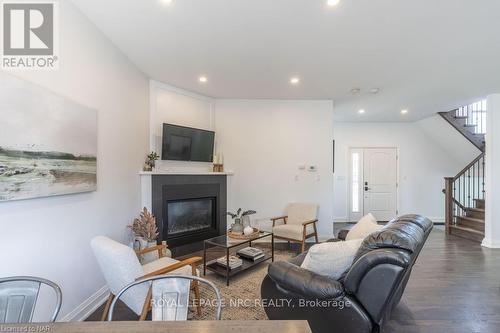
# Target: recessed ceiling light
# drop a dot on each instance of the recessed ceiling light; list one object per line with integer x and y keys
{"x": 361, "y": 111}
{"x": 294, "y": 80}
{"x": 404, "y": 111}
{"x": 355, "y": 91}
{"x": 375, "y": 90}
{"x": 332, "y": 3}
{"x": 203, "y": 79}
{"x": 167, "y": 2}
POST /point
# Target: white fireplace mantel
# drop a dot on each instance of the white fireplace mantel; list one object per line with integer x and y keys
{"x": 146, "y": 182}
{"x": 201, "y": 173}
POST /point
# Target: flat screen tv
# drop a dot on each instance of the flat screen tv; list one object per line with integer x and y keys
{"x": 187, "y": 144}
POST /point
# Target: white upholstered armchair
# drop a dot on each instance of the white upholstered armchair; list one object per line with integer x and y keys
{"x": 299, "y": 223}
{"x": 120, "y": 267}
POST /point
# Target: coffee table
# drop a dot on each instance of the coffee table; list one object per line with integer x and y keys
{"x": 225, "y": 245}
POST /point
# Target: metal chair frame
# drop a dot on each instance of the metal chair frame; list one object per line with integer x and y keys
{"x": 29, "y": 296}
{"x": 155, "y": 278}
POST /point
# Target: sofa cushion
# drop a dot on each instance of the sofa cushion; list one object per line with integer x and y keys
{"x": 303, "y": 282}
{"x": 363, "y": 228}
{"x": 291, "y": 231}
{"x": 397, "y": 234}
{"x": 165, "y": 262}
{"x": 419, "y": 220}
{"x": 331, "y": 259}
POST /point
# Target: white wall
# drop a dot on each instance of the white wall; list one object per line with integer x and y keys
{"x": 422, "y": 163}
{"x": 492, "y": 177}
{"x": 49, "y": 237}
{"x": 449, "y": 139}
{"x": 265, "y": 142}
{"x": 179, "y": 107}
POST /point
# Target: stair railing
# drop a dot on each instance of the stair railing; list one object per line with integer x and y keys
{"x": 461, "y": 191}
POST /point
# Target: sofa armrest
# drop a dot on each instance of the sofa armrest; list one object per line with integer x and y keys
{"x": 304, "y": 282}
{"x": 342, "y": 234}
{"x": 297, "y": 261}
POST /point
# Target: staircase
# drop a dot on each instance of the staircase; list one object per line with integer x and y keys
{"x": 464, "y": 193}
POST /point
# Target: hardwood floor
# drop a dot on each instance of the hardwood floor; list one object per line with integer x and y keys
{"x": 454, "y": 287}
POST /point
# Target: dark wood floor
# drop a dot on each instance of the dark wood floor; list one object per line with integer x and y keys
{"x": 454, "y": 287}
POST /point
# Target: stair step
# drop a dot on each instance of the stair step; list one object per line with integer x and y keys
{"x": 477, "y": 213}
{"x": 471, "y": 223}
{"x": 480, "y": 203}
{"x": 467, "y": 233}
{"x": 459, "y": 123}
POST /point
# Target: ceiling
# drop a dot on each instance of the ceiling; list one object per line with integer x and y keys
{"x": 425, "y": 56}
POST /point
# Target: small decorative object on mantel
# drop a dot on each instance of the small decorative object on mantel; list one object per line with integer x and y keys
{"x": 237, "y": 228}
{"x": 218, "y": 163}
{"x": 146, "y": 233}
{"x": 150, "y": 163}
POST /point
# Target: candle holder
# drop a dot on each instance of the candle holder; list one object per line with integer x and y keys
{"x": 218, "y": 167}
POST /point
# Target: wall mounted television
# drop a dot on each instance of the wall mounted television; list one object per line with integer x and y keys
{"x": 187, "y": 144}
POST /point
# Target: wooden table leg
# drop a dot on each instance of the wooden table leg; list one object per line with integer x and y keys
{"x": 227, "y": 267}
{"x": 272, "y": 247}
{"x": 204, "y": 258}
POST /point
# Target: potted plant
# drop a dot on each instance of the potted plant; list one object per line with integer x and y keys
{"x": 151, "y": 161}
{"x": 237, "y": 226}
{"x": 145, "y": 232}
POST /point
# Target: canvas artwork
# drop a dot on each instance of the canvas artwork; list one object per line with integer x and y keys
{"x": 48, "y": 143}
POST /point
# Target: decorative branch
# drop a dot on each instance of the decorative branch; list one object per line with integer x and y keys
{"x": 145, "y": 226}
{"x": 239, "y": 213}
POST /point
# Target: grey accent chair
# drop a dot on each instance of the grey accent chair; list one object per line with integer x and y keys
{"x": 18, "y": 297}
{"x": 168, "y": 296}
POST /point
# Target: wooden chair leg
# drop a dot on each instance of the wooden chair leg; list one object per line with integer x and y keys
{"x": 147, "y": 305}
{"x": 315, "y": 233}
{"x": 303, "y": 239}
{"x": 106, "y": 307}
{"x": 196, "y": 287}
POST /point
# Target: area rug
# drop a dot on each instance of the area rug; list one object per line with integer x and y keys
{"x": 241, "y": 299}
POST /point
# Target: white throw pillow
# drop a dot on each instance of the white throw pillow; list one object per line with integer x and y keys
{"x": 363, "y": 228}
{"x": 331, "y": 259}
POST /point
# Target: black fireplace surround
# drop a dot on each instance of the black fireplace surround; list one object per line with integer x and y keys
{"x": 189, "y": 209}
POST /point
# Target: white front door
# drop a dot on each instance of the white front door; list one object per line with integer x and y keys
{"x": 373, "y": 180}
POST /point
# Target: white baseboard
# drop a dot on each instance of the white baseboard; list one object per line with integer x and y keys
{"x": 82, "y": 311}
{"x": 489, "y": 243}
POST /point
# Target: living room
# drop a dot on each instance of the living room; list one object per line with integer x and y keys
{"x": 285, "y": 108}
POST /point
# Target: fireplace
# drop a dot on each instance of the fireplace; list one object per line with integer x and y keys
{"x": 190, "y": 216}
{"x": 189, "y": 209}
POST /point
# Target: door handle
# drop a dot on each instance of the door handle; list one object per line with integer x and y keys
{"x": 367, "y": 188}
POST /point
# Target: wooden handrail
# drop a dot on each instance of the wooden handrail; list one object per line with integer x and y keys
{"x": 464, "y": 170}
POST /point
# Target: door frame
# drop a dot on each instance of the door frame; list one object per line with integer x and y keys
{"x": 351, "y": 217}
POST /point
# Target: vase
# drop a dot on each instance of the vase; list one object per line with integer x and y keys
{"x": 245, "y": 220}
{"x": 144, "y": 244}
{"x": 237, "y": 227}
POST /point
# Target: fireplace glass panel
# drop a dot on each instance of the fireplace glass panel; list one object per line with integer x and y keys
{"x": 191, "y": 215}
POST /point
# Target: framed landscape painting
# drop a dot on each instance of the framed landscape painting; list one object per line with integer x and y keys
{"x": 48, "y": 143}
